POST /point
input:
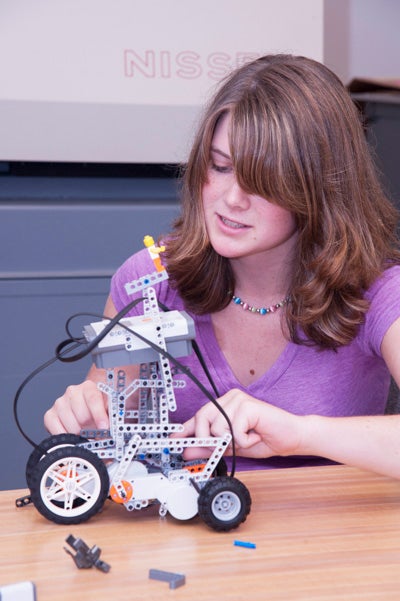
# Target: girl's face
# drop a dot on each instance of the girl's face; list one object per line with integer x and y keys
{"x": 241, "y": 224}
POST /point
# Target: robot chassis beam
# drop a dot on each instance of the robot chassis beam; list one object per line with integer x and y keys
{"x": 136, "y": 462}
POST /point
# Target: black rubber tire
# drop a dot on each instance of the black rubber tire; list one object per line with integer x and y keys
{"x": 49, "y": 444}
{"x": 75, "y": 502}
{"x": 224, "y": 503}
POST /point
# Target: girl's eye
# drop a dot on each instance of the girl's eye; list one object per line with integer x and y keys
{"x": 221, "y": 168}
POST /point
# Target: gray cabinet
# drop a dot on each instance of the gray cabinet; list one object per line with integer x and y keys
{"x": 60, "y": 241}
{"x": 381, "y": 112}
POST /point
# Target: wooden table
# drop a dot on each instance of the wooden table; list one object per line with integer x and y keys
{"x": 321, "y": 533}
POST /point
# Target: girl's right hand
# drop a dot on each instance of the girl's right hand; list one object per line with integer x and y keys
{"x": 81, "y": 407}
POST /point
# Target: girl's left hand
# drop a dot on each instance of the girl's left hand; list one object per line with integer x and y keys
{"x": 260, "y": 430}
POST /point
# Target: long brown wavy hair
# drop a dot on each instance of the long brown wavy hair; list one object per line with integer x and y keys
{"x": 296, "y": 139}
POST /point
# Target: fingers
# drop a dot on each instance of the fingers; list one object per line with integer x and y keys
{"x": 189, "y": 429}
{"x": 213, "y": 419}
{"x": 240, "y": 417}
{"x": 207, "y": 422}
{"x": 197, "y": 453}
{"x": 203, "y": 426}
{"x": 95, "y": 402}
{"x": 53, "y": 424}
{"x": 81, "y": 406}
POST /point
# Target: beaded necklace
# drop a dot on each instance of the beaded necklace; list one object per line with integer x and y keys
{"x": 260, "y": 310}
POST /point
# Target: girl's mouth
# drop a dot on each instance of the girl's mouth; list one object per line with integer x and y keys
{"x": 232, "y": 224}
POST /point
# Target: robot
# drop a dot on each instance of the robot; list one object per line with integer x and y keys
{"x": 136, "y": 463}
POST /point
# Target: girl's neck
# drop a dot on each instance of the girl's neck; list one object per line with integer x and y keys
{"x": 257, "y": 278}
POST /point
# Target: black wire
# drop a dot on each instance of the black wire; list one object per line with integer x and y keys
{"x": 199, "y": 356}
{"x": 18, "y": 394}
{"x": 68, "y": 345}
{"x": 61, "y": 350}
{"x": 182, "y": 368}
{"x": 203, "y": 364}
{"x": 92, "y": 345}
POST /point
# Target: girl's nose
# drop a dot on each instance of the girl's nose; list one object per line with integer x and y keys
{"x": 235, "y": 196}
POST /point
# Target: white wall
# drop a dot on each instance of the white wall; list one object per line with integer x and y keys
{"x": 124, "y": 80}
{"x": 362, "y": 38}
